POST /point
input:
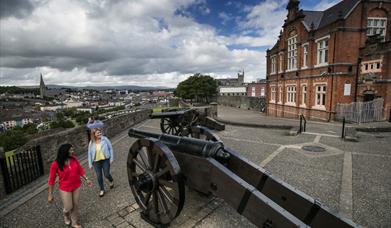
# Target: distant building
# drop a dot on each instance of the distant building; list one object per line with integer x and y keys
{"x": 256, "y": 89}
{"x": 90, "y": 110}
{"x": 52, "y": 108}
{"x": 16, "y": 122}
{"x": 73, "y": 103}
{"x": 233, "y": 91}
{"x": 116, "y": 103}
{"x": 42, "y": 88}
{"x": 232, "y": 81}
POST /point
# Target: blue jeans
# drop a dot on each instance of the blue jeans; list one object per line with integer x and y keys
{"x": 105, "y": 166}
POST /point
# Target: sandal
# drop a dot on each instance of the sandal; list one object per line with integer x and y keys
{"x": 69, "y": 222}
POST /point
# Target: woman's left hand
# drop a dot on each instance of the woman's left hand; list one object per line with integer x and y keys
{"x": 89, "y": 183}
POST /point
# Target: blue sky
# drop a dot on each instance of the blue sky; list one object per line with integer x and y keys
{"x": 137, "y": 42}
{"x": 227, "y": 17}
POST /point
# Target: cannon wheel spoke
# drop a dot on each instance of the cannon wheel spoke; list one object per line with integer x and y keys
{"x": 162, "y": 202}
{"x": 170, "y": 126}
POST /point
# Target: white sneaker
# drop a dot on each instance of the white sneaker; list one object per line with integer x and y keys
{"x": 101, "y": 193}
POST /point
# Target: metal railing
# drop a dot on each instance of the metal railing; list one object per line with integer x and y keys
{"x": 303, "y": 124}
{"x": 361, "y": 112}
{"x": 343, "y": 133}
{"x": 21, "y": 168}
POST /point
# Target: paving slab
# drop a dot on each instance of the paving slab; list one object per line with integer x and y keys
{"x": 219, "y": 218}
{"x": 372, "y": 190}
{"x": 318, "y": 175}
{"x": 261, "y": 135}
{"x": 374, "y": 143}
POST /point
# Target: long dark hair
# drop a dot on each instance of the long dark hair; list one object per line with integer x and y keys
{"x": 63, "y": 155}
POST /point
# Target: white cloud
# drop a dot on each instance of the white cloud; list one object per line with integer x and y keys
{"x": 139, "y": 42}
{"x": 224, "y": 17}
{"x": 114, "y": 42}
{"x": 266, "y": 19}
{"x": 325, "y": 4}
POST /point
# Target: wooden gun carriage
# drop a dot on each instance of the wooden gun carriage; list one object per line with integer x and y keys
{"x": 159, "y": 165}
{"x": 181, "y": 121}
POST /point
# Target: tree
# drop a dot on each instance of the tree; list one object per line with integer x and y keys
{"x": 60, "y": 116}
{"x": 12, "y": 139}
{"x": 62, "y": 123}
{"x": 199, "y": 87}
{"x": 30, "y": 128}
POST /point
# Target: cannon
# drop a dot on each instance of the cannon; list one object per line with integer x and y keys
{"x": 180, "y": 121}
{"x": 159, "y": 166}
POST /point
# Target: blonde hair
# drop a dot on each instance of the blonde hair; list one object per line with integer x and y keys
{"x": 93, "y": 130}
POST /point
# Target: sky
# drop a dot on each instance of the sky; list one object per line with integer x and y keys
{"x": 137, "y": 42}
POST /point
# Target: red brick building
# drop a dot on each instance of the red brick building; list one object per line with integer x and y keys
{"x": 322, "y": 58}
{"x": 257, "y": 89}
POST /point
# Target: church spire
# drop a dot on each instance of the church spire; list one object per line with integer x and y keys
{"x": 42, "y": 88}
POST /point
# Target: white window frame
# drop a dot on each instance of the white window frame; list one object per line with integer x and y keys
{"x": 262, "y": 91}
{"x": 304, "y": 92}
{"x": 305, "y": 55}
{"x": 292, "y": 53}
{"x": 281, "y": 62}
{"x": 321, "y": 51}
{"x": 371, "y": 66}
{"x": 373, "y": 29}
{"x": 273, "y": 65}
{"x": 280, "y": 95}
{"x": 253, "y": 91}
{"x": 290, "y": 95}
{"x": 273, "y": 94}
{"x": 320, "y": 101}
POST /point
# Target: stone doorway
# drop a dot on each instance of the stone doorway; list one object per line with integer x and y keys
{"x": 369, "y": 95}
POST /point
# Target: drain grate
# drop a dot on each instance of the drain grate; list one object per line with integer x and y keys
{"x": 314, "y": 148}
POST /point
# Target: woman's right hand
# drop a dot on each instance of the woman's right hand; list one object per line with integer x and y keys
{"x": 50, "y": 198}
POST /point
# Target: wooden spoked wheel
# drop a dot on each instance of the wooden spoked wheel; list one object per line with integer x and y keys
{"x": 155, "y": 180}
{"x": 204, "y": 133}
{"x": 192, "y": 118}
{"x": 171, "y": 126}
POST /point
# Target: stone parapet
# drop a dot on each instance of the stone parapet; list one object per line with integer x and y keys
{"x": 2, "y": 188}
{"x": 78, "y": 136}
{"x": 243, "y": 102}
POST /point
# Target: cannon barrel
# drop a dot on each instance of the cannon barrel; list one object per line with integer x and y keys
{"x": 193, "y": 146}
{"x": 159, "y": 115}
{"x": 251, "y": 190}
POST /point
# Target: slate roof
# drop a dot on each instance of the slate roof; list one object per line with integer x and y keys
{"x": 324, "y": 18}
{"x": 312, "y": 17}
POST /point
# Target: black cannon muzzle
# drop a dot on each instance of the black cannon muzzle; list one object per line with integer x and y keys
{"x": 193, "y": 146}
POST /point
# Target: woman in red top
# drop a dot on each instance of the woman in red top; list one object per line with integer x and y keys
{"x": 69, "y": 171}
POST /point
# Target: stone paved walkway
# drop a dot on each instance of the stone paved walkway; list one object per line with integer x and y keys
{"x": 350, "y": 178}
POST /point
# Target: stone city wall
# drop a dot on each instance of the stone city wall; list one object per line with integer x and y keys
{"x": 250, "y": 103}
{"x": 49, "y": 143}
{"x": 78, "y": 136}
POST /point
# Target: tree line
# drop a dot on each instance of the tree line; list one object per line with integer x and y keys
{"x": 18, "y": 90}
